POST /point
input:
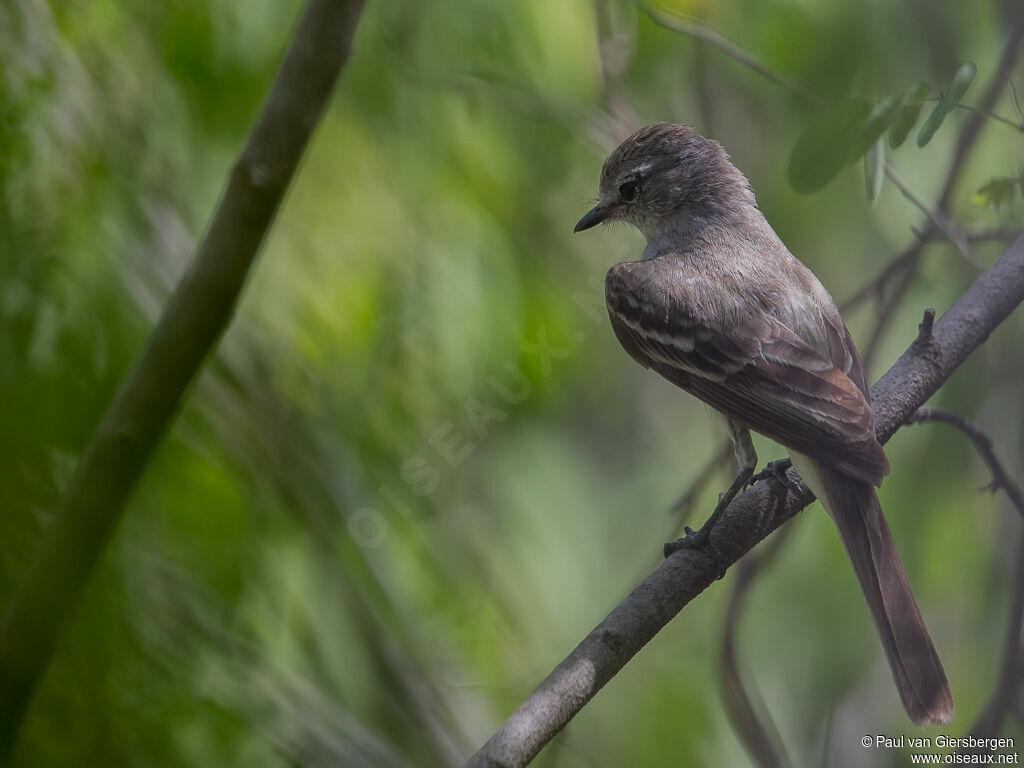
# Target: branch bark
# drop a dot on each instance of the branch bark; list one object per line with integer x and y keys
{"x": 189, "y": 328}
{"x": 915, "y": 377}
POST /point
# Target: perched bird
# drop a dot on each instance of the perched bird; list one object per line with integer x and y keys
{"x": 720, "y": 307}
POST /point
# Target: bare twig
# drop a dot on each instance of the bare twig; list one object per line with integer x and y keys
{"x": 615, "y": 47}
{"x": 937, "y": 217}
{"x": 875, "y": 287}
{"x": 702, "y": 85}
{"x": 1003, "y": 700}
{"x": 750, "y": 718}
{"x": 1011, "y": 674}
{"x": 682, "y": 505}
{"x": 887, "y": 309}
{"x": 1001, "y": 479}
{"x": 986, "y": 113}
{"x": 681, "y": 508}
{"x": 191, "y": 324}
{"x": 1016, "y": 101}
{"x": 702, "y": 31}
{"x": 992, "y": 234}
{"x": 749, "y": 519}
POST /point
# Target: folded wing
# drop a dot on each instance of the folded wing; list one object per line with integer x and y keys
{"x": 753, "y": 369}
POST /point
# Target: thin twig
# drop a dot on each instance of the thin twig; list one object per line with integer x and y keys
{"x": 754, "y": 514}
{"x": 985, "y": 113}
{"x": 1011, "y": 673}
{"x": 189, "y": 328}
{"x": 991, "y": 234}
{"x": 886, "y": 311}
{"x": 702, "y": 85}
{"x": 1016, "y": 101}
{"x": 1004, "y": 697}
{"x": 702, "y": 31}
{"x": 937, "y": 217}
{"x": 875, "y": 287}
{"x": 972, "y": 127}
{"x": 615, "y": 49}
{"x": 750, "y": 718}
{"x": 680, "y": 508}
{"x": 1001, "y": 479}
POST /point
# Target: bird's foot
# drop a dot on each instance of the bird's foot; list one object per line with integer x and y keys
{"x": 692, "y": 540}
{"x": 778, "y": 469}
{"x": 698, "y": 540}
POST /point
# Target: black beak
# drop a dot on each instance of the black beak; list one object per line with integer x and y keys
{"x": 593, "y": 217}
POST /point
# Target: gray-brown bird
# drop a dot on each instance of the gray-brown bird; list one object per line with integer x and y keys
{"x": 720, "y": 307}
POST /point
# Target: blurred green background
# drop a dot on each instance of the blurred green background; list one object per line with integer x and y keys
{"x": 382, "y": 518}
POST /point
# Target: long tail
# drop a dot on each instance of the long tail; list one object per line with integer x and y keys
{"x": 915, "y": 665}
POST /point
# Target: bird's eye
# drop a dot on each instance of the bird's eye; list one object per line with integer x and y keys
{"x": 628, "y": 191}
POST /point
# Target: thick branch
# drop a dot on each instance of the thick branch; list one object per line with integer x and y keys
{"x": 750, "y": 518}
{"x": 191, "y": 324}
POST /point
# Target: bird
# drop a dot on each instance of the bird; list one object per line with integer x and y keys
{"x": 719, "y": 306}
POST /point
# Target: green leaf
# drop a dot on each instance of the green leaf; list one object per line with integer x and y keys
{"x": 931, "y": 125}
{"x": 996, "y": 193}
{"x": 950, "y": 98}
{"x": 826, "y": 145}
{"x": 961, "y": 82}
{"x": 881, "y": 117}
{"x": 908, "y": 114}
{"x": 874, "y": 170}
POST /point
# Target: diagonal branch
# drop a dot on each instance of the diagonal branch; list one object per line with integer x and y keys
{"x": 192, "y": 323}
{"x": 915, "y": 377}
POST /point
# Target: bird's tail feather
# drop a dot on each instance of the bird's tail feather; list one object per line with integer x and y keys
{"x": 915, "y": 665}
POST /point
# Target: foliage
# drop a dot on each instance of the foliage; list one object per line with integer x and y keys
{"x": 851, "y": 129}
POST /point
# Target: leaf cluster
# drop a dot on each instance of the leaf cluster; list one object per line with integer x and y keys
{"x": 855, "y": 128}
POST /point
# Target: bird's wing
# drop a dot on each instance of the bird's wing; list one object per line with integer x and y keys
{"x": 754, "y": 370}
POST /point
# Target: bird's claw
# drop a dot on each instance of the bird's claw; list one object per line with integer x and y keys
{"x": 697, "y": 540}
{"x": 777, "y": 469}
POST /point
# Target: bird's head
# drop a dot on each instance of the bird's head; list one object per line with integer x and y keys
{"x": 664, "y": 175}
